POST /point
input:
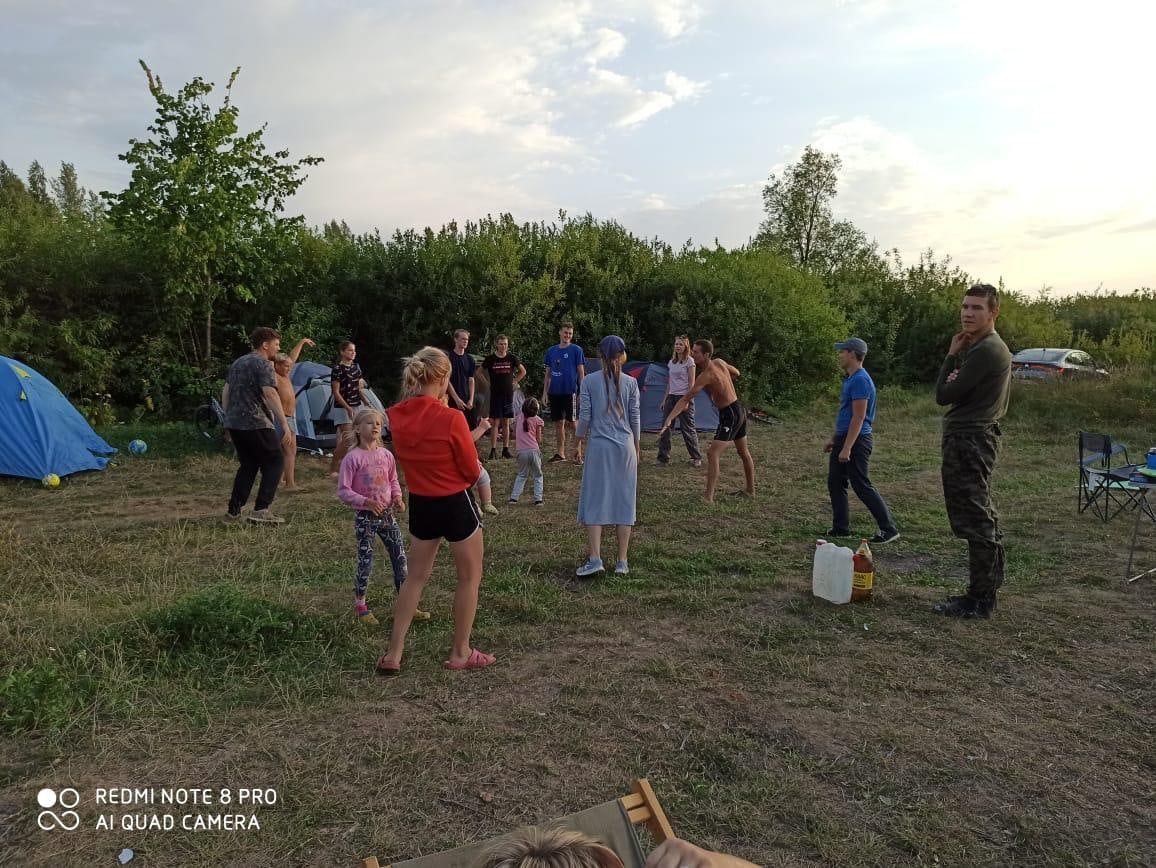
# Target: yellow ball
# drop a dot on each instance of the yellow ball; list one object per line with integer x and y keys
{"x": 51, "y": 481}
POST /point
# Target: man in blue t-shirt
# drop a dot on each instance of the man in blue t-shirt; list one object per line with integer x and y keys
{"x": 565, "y": 368}
{"x": 850, "y": 448}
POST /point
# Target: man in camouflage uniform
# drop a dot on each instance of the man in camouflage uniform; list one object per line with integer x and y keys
{"x": 974, "y": 382}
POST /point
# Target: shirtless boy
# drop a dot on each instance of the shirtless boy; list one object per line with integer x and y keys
{"x": 282, "y": 365}
{"x": 716, "y": 378}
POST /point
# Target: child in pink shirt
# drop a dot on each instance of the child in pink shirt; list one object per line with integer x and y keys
{"x": 367, "y": 481}
{"x": 528, "y": 425}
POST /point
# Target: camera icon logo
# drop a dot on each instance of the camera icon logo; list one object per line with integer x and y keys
{"x": 67, "y": 820}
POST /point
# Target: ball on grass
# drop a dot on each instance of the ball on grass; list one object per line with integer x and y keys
{"x": 51, "y": 481}
{"x": 138, "y": 447}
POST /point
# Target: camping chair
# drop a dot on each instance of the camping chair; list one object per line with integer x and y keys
{"x": 612, "y": 822}
{"x": 1106, "y": 497}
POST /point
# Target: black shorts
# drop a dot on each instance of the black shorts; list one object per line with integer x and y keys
{"x": 501, "y": 406}
{"x": 561, "y": 407}
{"x": 454, "y": 518}
{"x": 732, "y": 423}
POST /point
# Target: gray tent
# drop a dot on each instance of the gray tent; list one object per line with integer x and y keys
{"x": 315, "y": 428}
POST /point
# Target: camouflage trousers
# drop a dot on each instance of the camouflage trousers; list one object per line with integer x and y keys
{"x": 968, "y": 462}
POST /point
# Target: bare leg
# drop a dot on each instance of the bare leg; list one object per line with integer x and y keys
{"x": 289, "y": 452}
{"x": 748, "y": 464}
{"x": 468, "y": 556}
{"x": 578, "y": 448}
{"x": 506, "y": 425}
{"x": 340, "y": 449}
{"x": 494, "y": 435}
{"x": 485, "y": 492}
{"x": 623, "y": 541}
{"x": 712, "y": 467}
{"x": 422, "y": 554}
{"x": 594, "y": 540}
{"x": 560, "y": 437}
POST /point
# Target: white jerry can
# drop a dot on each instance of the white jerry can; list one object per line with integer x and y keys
{"x": 834, "y": 570}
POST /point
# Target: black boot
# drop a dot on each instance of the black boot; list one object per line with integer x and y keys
{"x": 506, "y": 452}
{"x": 965, "y": 607}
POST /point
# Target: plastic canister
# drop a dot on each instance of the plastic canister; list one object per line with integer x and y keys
{"x": 1152, "y": 458}
{"x": 833, "y": 572}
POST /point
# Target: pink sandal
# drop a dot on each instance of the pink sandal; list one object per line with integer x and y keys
{"x": 476, "y": 660}
{"x": 384, "y": 667}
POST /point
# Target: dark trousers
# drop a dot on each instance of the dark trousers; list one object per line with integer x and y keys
{"x": 259, "y": 449}
{"x": 839, "y": 474}
{"x": 367, "y": 526}
{"x": 686, "y": 423}
{"x": 968, "y": 462}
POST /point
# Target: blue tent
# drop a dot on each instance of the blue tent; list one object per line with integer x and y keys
{"x": 40, "y": 431}
{"x": 651, "y": 378}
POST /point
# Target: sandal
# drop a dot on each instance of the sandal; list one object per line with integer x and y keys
{"x": 385, "y": 667}
{"x": 476, "y": 660}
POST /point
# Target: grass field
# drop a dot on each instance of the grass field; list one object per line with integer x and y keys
{"x": 146, "y": 643}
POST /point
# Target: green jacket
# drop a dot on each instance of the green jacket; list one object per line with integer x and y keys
{"x": 978, "y": 393}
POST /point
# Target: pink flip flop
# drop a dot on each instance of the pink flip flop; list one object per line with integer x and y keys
{"x": 476, "y": 660}
{"x": 386, "y": 668}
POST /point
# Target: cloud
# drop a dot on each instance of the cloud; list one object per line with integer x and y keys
{"x": 675, "y": 17}
{"x": 1145, "y": 226}
{"x": 606, "y": 45}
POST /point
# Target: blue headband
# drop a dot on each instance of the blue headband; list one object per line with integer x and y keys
{"x": 611, "y": 346}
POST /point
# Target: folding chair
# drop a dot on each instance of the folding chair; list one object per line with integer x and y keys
{"x": 1104, "y": 496}
{"x": 611, "y": 822}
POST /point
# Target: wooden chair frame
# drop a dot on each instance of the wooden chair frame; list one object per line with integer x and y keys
{"x": 641, "y": 806}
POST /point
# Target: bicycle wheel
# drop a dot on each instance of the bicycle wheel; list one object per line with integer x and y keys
{"x": 208, "y": 424}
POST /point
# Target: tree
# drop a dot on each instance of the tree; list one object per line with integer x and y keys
{"x": 66, "y": 190}
{"x": 38, "y": 183}
{"x": 798, "y": 207}
{"x": 206, "y": 200}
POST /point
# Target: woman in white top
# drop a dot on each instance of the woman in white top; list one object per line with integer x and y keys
{"x": 679, "y": 379}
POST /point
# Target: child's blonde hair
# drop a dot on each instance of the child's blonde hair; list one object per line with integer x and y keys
{"x": 427, "y": 365}
{"x": 353, "y": 438}
{"x": 549, "y": 848}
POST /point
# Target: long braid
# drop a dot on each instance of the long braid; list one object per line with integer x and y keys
{"x": 611, "y": 370}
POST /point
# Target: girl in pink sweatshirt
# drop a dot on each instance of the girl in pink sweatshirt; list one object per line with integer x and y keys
{"x": 367, "y": 481}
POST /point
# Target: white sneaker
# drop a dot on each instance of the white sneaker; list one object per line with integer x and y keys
{"x": 264, "y": 516}
{"x": 592, "y": 566}
{"x": 697, "y": 462}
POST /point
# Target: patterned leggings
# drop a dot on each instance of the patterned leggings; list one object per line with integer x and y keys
{"x": 367, "y": 526}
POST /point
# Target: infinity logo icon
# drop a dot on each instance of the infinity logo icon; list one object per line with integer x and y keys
{"x": 66, "y": 820}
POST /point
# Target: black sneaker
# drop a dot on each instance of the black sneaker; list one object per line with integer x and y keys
{"x": 556, "y": 459}
{"x": 831, "y": 532}
{"x": 506, "y": 452}
{"x": 493, "y": 454}
{"x": 884, "y": 537}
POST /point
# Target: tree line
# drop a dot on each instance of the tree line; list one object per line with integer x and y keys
{"x": 144, "y": 295}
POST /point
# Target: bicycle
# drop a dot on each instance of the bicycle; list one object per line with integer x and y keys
{"x": 209, "y": 420}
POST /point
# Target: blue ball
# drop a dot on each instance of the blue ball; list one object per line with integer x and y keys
{"x": 138, "y": 447}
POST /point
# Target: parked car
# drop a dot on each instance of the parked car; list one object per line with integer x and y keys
{"x": 1047, "y": 364}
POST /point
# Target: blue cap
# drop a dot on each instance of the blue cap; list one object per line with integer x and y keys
{"x": 611, "y": 346}
{"x": 857, "y": 345}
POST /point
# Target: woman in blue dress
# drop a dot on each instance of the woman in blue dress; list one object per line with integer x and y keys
{"x": 610, "y": 421}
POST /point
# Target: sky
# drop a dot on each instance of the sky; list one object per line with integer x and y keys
{"x": 1015, "y": 136}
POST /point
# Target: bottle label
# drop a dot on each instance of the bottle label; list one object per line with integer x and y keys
{"x": 862, "y": 581}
